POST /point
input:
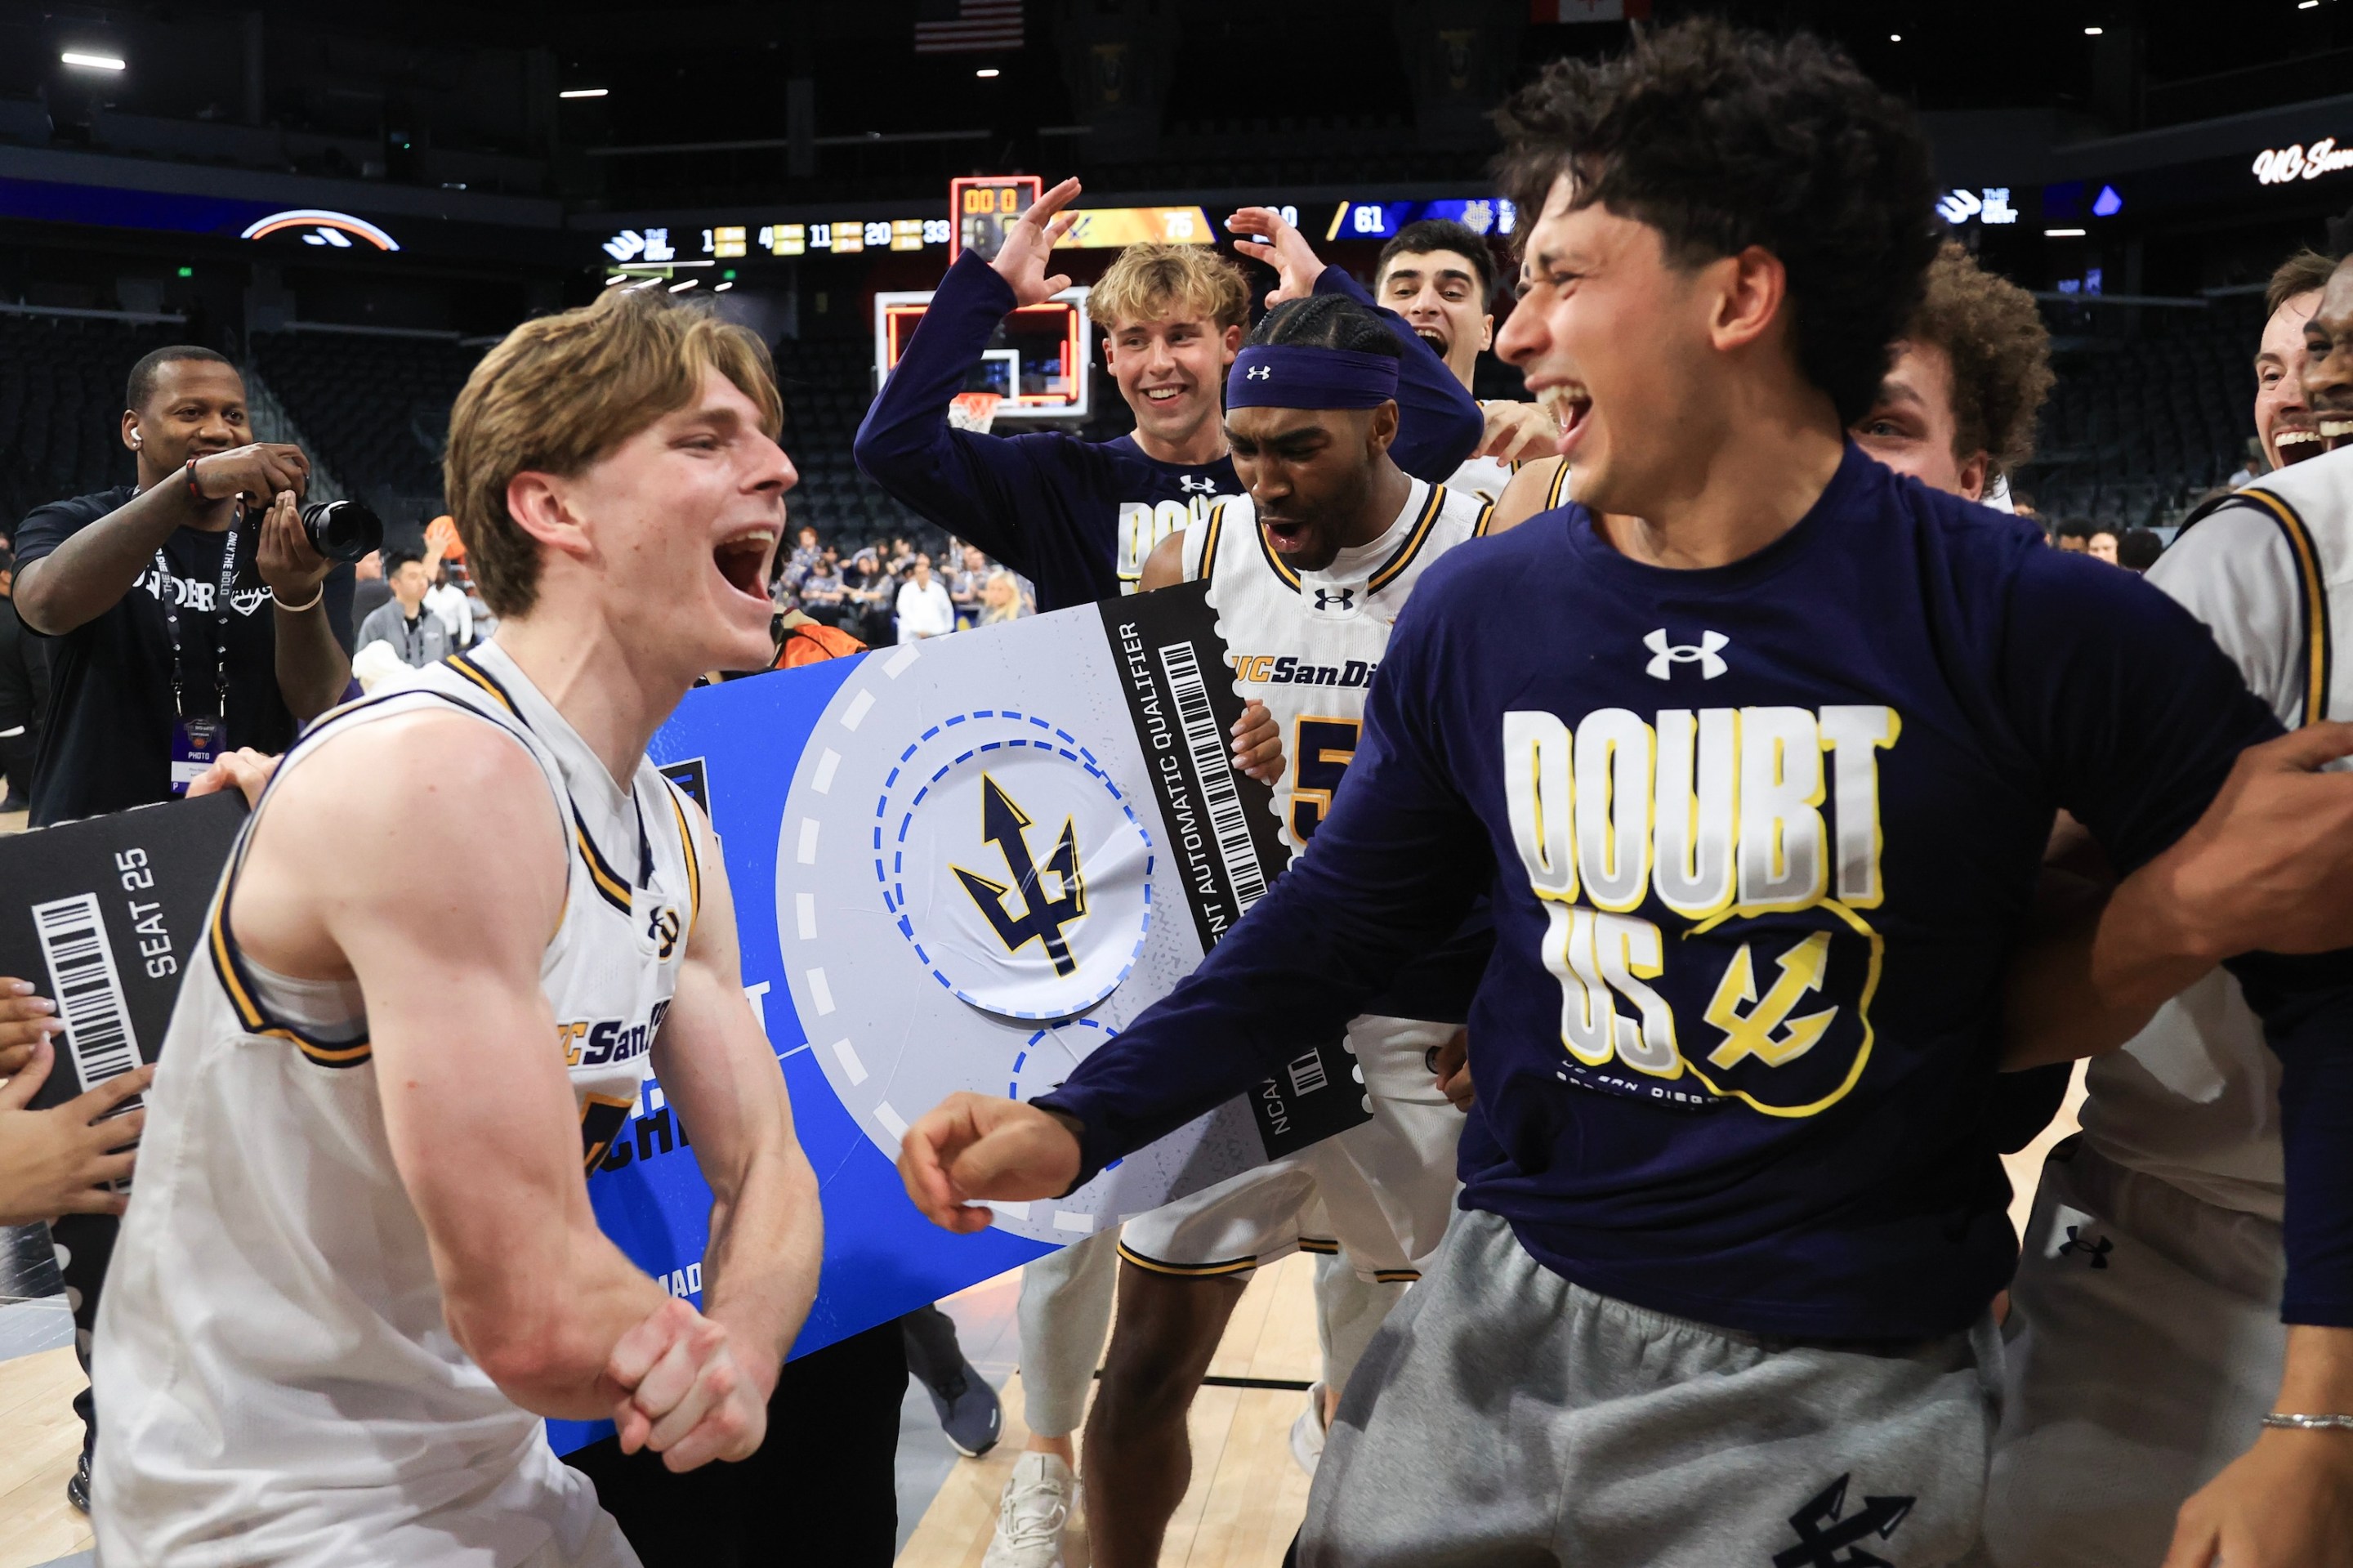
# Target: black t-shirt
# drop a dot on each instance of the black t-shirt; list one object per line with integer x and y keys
{"x": 108, "y": 742}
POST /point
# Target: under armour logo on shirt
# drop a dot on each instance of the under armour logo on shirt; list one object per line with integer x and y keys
{"x": 2096, "y": 1248}
{"x": 1191, "y": 482}
{"x": 1259, "y": 373}
{"x": 1705, "y": 654}
{"x": 1341, "y": 599}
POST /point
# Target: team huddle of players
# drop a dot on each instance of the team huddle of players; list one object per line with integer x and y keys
{"x": 1683, "y": 877}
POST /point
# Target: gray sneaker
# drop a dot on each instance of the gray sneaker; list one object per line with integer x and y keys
{"x": 1040, "y": 1500}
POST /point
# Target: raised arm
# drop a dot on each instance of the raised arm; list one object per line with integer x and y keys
{"x": 971, "y": 484}
{"x": 718, "y": 1070}
{"x": 478, "y": 1111}
{"x": 1438, "y": 423}
{"x": 88, "y": 573}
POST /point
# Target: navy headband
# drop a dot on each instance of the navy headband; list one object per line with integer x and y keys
{"x": 1294, "y": 375}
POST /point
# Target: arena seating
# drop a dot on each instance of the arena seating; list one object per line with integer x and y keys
{"x": 2140, "y": 425}
{"x": 375, "y": 407}
{"x": 827, "y": 385}
{"x": 62, "y": 381}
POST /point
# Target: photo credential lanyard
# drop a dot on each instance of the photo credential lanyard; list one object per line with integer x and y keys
{"x": 196, "y": 740}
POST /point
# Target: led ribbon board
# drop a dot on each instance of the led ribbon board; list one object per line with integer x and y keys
{"x": 335, "y": 231}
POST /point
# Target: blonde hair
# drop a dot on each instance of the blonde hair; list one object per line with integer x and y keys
{"x": 1154, "y": 281}
{"x": 561, "y": 392}
{"x": 991, "y": 610}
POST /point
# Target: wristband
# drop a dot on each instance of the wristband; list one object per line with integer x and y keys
{"x": 2279, "y": 1418}
{"x": 196, "y": 491}
{"x": 310, "y": 603}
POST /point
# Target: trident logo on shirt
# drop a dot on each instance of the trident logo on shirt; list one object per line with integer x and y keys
{"x": 1751, "y": 1033}
{"x": 1041, "y": 919}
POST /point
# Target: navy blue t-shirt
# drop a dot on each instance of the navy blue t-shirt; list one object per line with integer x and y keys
{"x": 1078, "y": 518}
{"x": 1763, "y": 837}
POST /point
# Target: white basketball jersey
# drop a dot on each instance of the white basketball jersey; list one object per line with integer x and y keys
{"x": 279, "y": 1383}
{"x": 1484, "y": 477}
{"x": 2194, "y": 1098}
{"x": 1306, "y": 644}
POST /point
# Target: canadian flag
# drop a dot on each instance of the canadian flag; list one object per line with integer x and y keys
{"x": 1589, "y": 10}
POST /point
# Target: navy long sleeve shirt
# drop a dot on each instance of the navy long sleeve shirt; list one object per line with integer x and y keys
{"x": 1766, "y": 833}
{"x": 1078, "y": 518}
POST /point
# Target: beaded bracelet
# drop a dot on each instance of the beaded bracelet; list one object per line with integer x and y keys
{"x": 2309, "y": 1423}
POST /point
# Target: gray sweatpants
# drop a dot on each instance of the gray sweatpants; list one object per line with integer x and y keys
{"x": 1506, "y": 1418}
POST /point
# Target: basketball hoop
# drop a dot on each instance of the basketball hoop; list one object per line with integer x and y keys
{"x": 974, "y": 411}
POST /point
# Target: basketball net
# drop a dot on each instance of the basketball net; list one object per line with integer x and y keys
{"x": 974, "y": 411}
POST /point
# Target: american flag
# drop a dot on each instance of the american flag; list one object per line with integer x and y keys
{"x": 967, "y": 26}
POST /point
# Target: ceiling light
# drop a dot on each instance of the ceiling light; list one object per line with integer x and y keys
{"x": 683, "y": 284}
{"x": 2308, "y": 4}
{"x": 647, "y": 283}
{"x": 2090, "y": 32}
{"x": 986, "y": 73}
{"x": 616, "y": 277}
{"x": 717, "y": 288}
{"x": 584, "y": 92}
{"x": 2062, "y": 234}
{"x": 1894, "y": 38}
{"x": 95, "y": 62}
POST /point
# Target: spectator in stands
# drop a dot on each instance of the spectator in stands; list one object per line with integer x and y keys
{"x": 370, "y": 592}
{"x": 24, "y": 696}
{"x": 1001, "y": 598}
{"x": 2250, "y": 461}
{"x": 805, "y": 552}
{"x": 2283, "y": 424}
{"x": 924, "y": 608}
{"x": 868, "y": 596}
{"x": 450, "y": 601}
{"x": 190, "y": 613}
{"x": 2102, "y": 546}
{"x": 2072, "y": 536}
{"x": 417, "y": 635}
{"x": 2139, "y": 549}
{"x": 823, "y": 595}
{"x": 965, "y": 585}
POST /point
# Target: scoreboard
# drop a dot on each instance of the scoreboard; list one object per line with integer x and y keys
{"x": 983, "y": 206}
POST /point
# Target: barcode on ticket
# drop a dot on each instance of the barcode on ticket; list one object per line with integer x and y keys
{"x": 87, "y": 988}
{"x": 1214, "y": 767}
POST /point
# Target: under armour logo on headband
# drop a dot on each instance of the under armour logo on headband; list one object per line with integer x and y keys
{"x": 1259, "y": 372}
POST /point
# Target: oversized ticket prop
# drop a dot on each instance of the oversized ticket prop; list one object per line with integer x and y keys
{"x": 963, "y": 865}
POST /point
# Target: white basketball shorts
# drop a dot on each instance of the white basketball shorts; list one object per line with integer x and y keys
{"x": 1380, "y": 1193}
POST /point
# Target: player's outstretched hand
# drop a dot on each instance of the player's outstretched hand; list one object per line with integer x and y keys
{"x": 2284, "y": 1503}
{"x": 979, "y": 1146}
{"x": 1258, "y": 743}
{"x": 2270, "y": 865}
{"x": 1518, "y": 432}
{"x": 27, "y": 1019}
{"x": 689, "y": 1398}
{"x": 1452, "y": 1064}
{"x": 1029, "y": 242}
{"x": 1284, "y": 249}
{"x": 55, "y": 1161}
{"x": 245, "y": 770}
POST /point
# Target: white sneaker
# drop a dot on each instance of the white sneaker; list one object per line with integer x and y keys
{"x": 1307, "y": 1432}
{"x": 1040, "y": 1499}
